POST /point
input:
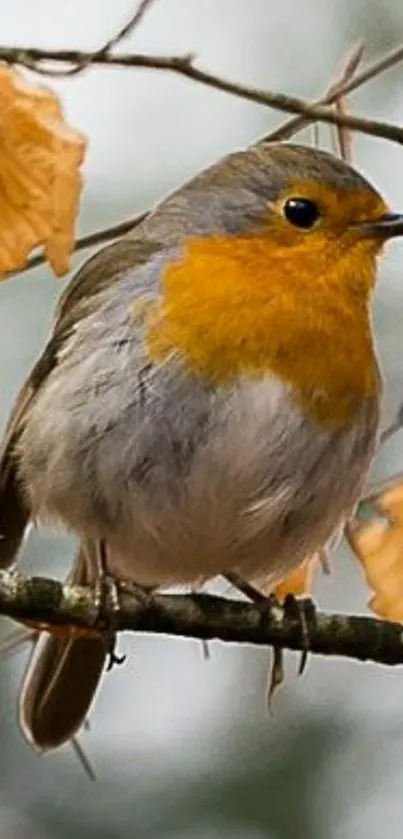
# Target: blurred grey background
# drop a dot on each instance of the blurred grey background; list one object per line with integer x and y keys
{"x": 184, "y": 748}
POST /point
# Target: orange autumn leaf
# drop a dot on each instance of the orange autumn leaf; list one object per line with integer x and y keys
{"x": 298, "y": 581}
{"x": 376, "y": 537}
{"x": 40, "y": 182}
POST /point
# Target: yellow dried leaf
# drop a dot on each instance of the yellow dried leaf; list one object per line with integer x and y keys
{"x": 376, "y": 537}
{"x": 40, "y": 182}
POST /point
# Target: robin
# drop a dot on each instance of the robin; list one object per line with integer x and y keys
{"x": 208, "y": 400}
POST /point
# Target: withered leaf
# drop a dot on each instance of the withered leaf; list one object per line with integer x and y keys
{"x": 376, "y": 537}
{"x": 40, "y": 182}
{"x": 298, "y": 581}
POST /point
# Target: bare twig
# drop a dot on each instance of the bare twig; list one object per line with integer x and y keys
{"x": 49, "y": 603}
{"x": 129, "y": 27}
{"x": 31, "y": 57}
{"x": 122, "y": 33}
{"x": 350, "y": 65}
{"x": 291, "y": 126}
{"x": 343, "y": 135}
{"x": 83, "y": 759}
{"x": 349, "y": 68}
{"x": 98, "y": 237}
{"x": 185, "y": 66}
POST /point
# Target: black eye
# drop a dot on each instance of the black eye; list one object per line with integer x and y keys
{"x": 301, "y": 212}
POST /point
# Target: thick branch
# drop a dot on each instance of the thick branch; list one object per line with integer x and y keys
{"x": 48, "y": 602}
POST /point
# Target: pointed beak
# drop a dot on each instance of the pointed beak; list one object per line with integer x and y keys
{"x": 386, "y": 226}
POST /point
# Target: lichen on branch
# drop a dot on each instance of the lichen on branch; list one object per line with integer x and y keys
{"x": 49, "y": 604}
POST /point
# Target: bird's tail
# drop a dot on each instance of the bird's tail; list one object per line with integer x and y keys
{"x": 62, "y": 674}
{"x": 61, "y": 678}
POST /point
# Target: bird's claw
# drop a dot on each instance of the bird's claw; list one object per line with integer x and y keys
{"x": 303, "y": 612}
{"x": 300, "y": 610}
{"x": 108, "y": 590}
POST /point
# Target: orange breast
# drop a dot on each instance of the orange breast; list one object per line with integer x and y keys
{"x": 234, "y": 306}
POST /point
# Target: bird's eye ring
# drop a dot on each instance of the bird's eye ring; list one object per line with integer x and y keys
{"x": 301, "y": 212}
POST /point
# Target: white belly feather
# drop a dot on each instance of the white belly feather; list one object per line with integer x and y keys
{"x": 188, "y": 483}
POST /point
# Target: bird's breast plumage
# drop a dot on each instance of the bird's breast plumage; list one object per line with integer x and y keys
{"x": 185, "y": 478}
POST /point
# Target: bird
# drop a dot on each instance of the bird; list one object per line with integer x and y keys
{"x": 208, "y": 400}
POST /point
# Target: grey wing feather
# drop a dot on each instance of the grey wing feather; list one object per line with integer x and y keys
{"x": 98, "y": 273}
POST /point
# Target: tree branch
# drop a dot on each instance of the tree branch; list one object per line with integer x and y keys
{"x": 122, "y": 33}
{"x": 341, "y": 87}
{"x": 128, "y": 27}
{"x": 386, "y": 62}
{"x": 183, "y": 65}
{"x": 97, "y": 237}
{"x": 48, "y": 603}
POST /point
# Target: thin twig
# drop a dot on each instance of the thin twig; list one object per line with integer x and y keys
{"x": 349, "y": 68}
{"x": 48, "y": 603}
{"x": 83, "y": 759}
{"x": 184, "y": 66}
{"x": 98, "y": 237}
{"x": 283, "y": 132}
{"x": 291, "y": 126}
{"x": 129, "y": 27}
{"x": 122, "y": 33}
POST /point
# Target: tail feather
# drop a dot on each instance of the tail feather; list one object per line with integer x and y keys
{"x": 62, "y": 673}
{"x": 60, "y": 681}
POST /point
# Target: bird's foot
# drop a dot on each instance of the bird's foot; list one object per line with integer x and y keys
{"x": 302, "y": 611}
{"x": 108, "y": 590}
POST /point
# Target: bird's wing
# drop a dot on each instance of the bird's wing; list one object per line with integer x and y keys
{"x": 104, "y": 268}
